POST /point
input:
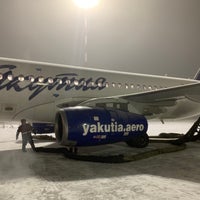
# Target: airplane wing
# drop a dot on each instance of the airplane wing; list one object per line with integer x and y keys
{"x": 165, "y": 103}
{"x": 165, "y": 94}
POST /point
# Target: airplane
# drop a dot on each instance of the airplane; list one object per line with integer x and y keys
{"x": 87, "y": 106}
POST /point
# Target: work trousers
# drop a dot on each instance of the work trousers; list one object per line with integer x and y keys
{"x": 27, "y": 138}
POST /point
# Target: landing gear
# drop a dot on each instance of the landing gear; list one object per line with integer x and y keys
{"x": 139, "y": 141}
{"x": 73, "y": 150}
{"x": 192, "y": 135}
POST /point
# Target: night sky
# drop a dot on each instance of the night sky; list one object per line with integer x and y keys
{"x": 143, "y": 36}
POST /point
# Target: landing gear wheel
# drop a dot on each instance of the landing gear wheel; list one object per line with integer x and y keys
{"x": 139, "y": 141}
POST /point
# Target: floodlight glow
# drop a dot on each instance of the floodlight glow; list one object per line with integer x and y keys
{"x": 86, "y": 3}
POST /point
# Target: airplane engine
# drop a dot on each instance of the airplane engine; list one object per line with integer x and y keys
{"x": 86, "y": 126}
{"x": 43, "y": 128}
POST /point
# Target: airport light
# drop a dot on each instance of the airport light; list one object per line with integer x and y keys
{"x": 86, "y": 4}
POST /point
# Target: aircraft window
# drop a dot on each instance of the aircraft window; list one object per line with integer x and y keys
{"x": 1, "y": 76}
{"x": 156, "y": 88}
{"x": 60, "y": 81}
{"x": 138, "y": 86}
{"x": 92, "y": 83}
{"x": 132, "y": 86}
{"x": 85, "y": 83}
{"x": 40, "y": 79}
{"x": 109, "y": 105}
{"x": 31, "y": 79}
{"x": 21, "y": 78}
{"x": 10, "y": 77}
{"x": 144, "y": 87}
{"x": 113, "y": 84}
{"x": 76, "y": 82}
{"x": 81, "y": 83}
{"x": 150, "y": 87}
{"x": 126, "y": 86}
{"x": 50, "y": 80}
{"x": 68, "y": 82}
{"x": 100, "y": 84}
{"x": 107, "y": 84}
{"x": 119, "y": 85}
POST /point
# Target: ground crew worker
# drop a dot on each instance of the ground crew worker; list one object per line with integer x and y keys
{"x": 25, "y": 129}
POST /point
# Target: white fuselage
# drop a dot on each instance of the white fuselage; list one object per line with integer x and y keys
{"x": 36, "y": 90}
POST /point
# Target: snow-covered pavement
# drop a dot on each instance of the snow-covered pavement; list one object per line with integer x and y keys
{"x": 52, "y": 176}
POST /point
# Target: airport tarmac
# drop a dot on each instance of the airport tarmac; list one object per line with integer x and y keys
{"x": 52, "y": 176}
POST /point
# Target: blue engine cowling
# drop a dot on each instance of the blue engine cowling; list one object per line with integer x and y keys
{"x": 86, "y": 126}
{"x": 42, "y": 128}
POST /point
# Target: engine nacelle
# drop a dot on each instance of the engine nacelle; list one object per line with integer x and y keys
{"x": 42, "y": 128}
{"x": 86, "y": 126}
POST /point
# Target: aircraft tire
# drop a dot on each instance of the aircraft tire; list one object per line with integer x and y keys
{"x": 140, "y": 141}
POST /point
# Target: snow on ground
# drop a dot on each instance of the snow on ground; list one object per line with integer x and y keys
{"x": 52, "y": 176}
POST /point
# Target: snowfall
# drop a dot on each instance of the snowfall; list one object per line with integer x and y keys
{"x": 47, "y": 176}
